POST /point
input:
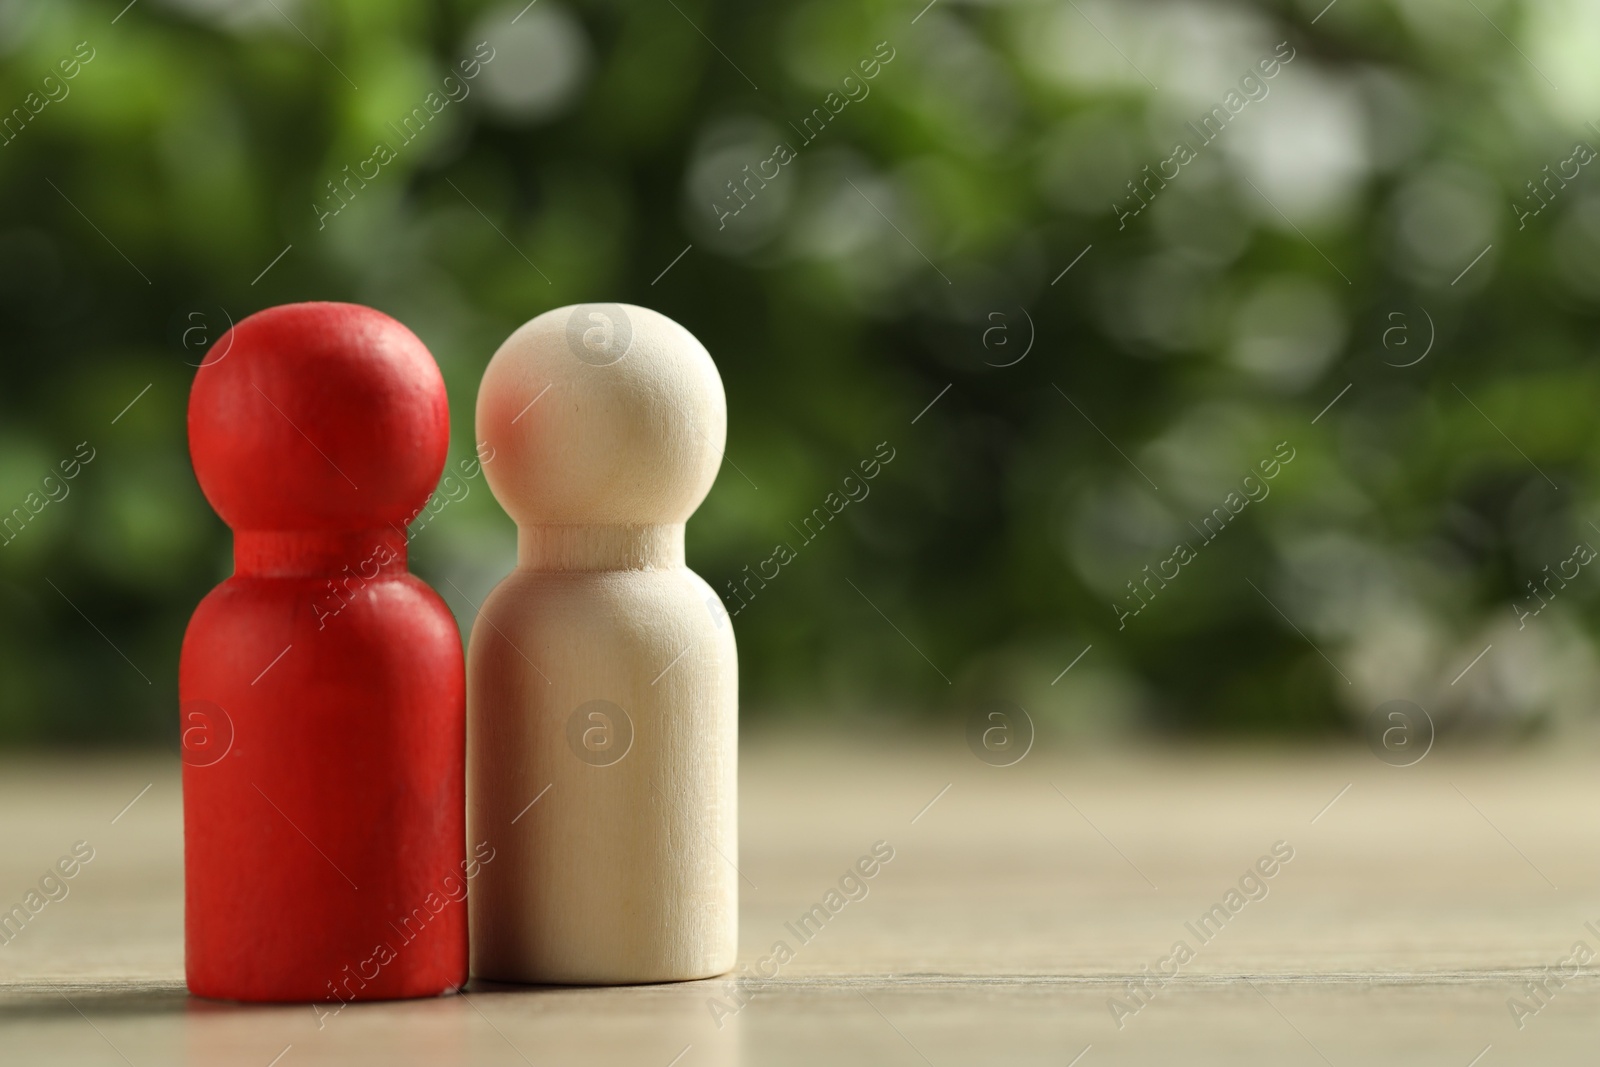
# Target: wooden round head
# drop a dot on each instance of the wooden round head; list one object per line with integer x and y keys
{"x": 601, "y": 414}
{"x": 318, "y": 416}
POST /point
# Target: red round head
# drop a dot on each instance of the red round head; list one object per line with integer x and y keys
{"x": 318, "y": 416}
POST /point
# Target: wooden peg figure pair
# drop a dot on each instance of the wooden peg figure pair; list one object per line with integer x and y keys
{"x": 355, "y": 792}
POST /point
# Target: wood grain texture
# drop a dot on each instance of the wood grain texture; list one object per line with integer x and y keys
{"x": 997, "y": 933}
{"x": 602, "y": 676}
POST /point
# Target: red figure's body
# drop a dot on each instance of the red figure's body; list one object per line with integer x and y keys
{"x": 322, "y": 684}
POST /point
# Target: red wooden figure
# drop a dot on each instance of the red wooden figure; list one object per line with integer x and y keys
{"x": 322, "y": 685}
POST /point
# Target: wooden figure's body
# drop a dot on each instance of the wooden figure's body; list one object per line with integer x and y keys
{"x": 322, "y": 684}
{"x": 602, "y": 674}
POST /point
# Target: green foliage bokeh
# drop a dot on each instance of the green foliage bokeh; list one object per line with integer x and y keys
{"x": 914, "y": 247}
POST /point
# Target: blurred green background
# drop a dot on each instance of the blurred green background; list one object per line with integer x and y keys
{"x": 914, "y": 251}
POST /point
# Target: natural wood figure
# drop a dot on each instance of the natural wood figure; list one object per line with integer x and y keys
{"x": 602, "y": 679}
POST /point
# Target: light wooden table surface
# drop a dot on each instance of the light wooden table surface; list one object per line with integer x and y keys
{"x": 1017, "y": 905}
